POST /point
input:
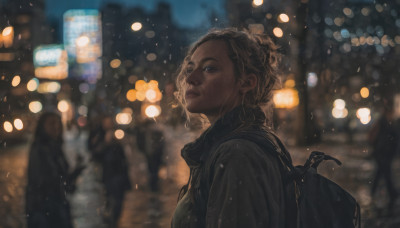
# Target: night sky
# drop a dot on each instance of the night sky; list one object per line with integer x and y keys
{"x": 186, "y": 13}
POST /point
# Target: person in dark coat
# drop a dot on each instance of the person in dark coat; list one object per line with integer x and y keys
{"x": 234, "y": 182}
{"x": 384, "y": 138}
{"x": 115, "y": 176}
{"x": 150, "y": 141}
{"x": 49, "y": 179}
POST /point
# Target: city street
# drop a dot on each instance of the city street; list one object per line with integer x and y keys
{"x": 143, "y": 208}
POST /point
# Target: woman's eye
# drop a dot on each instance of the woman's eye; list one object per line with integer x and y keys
{"x": 209, "y": 69}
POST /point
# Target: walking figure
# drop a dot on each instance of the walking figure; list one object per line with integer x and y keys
{"x": 49, "y": 179}
{"x": 115, "y": 174}
{"x": 150, "y": 141}
{"x": 384, "y": 138}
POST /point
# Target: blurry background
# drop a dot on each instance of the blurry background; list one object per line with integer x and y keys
{"x": 88, "y": 58}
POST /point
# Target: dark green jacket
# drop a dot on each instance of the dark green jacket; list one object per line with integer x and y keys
{"x": 233, "y": 182}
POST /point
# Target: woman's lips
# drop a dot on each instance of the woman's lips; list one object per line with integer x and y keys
{"x": 191, "y": 94}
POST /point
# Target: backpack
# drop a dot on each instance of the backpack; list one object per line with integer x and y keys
{"x": 320, "y": 202}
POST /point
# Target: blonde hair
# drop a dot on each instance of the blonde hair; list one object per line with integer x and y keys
{"x": 250, "y": 54}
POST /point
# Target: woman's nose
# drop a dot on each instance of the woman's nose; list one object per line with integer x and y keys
{"x": 193, "y": 78}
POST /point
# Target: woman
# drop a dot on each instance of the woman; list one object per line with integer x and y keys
{"x": 234, "y": 182}
{"x": 48, "y": 177}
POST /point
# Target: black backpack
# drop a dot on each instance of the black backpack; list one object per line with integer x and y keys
{"x": 320, "y": 203}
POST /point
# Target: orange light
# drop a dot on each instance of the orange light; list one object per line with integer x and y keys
{"x": 364, "y": 92}
{"x": 140, "y": 85}
{"x": 141, "y": 95}
{"x": 131, "y": 95}
{"x": 286, "y": 98}
{"x": 277, "y": 32}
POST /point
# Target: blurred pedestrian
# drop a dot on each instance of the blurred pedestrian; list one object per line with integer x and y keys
{"x": 98, "y": 127}
{"x": 49, "y": 179}
{"x": 384, "y": 138}
{"x": 150, "y": 141}
{"x": 115, "y": 174}
{"x": 227, "y": 76}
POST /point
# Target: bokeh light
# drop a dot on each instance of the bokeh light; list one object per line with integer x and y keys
{"x": 136, "y": 26}
{"x": 16, "y": 80}
{"x": 286, "y": 98}
{"x": 339, "y": 103}
{"x": 283, "y": 18}
{"x": 364, "y": 115}
{"x": 339, "y": 113}
{"x": 123, "y": 118}
{"x": 131, "y": 95}
{"x": 35, "y": 106}
{"x": 115, "y": 63}
{"x": 277, "y": 32}
{"x": 18, "y": 124}
{"x": 63, "y": 106}
{"x": 141, "y": 95}
{"x": 152, "y": 111}
{"x": 257, "y": 2}
{"x": 119, "y": 134}
{"x": 82, "y": 41}
{"x": 8, "y": 126}
{"x": 33, "y": 84}
{"x": 7, "y": 31}
{"x": 364, "y": 92}
{"x": 151, "y": 95}
{"x": 312, "y": 79}
{"x": 151, "y": 57}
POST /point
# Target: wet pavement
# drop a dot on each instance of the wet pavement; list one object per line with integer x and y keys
{"x": 143, "y": 208}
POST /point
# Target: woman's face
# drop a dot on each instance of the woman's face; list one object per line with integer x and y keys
{"x": 52, "y": 127}
{"x": 211, "y": 85}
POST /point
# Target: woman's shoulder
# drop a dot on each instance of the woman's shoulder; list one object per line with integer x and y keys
{"x": 244, "y": 150}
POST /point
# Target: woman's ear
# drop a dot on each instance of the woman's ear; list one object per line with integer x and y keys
{"x": 249, "y": 82}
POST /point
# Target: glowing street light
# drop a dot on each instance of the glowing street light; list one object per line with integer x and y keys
{"x": 136, "y": 26}
{"x": 33, "y": 84}
{"x": 131, "y": 95}
{"x": 140, "y": 85}
{"x": 152, "y": 111}
{"x": 123, "y": 118}
{"x": 151, "y": 95}
{"x": 16, "y": 80}
{"x": 339, "y": 110}
{"x": 18, "y": 124}
{"x": 35, "y": 106}
{"x": 119, "y": 134}
{"x": 364, "y": 115}
{"x": 257, "y": 3}
{"x": 8, "y": 126}
{"x": 339, "y": 103}
{"x": 364, "y": 92}
{"x": 63, "y": 106}
{"x": 283, "y": 18}
{"x": 277, "y": 32}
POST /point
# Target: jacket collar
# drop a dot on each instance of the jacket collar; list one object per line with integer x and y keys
{"x": 195, "y": 153}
